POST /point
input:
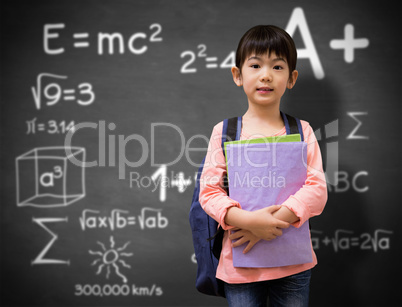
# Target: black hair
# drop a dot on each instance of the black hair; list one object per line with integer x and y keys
{"x": 262, "y": 39}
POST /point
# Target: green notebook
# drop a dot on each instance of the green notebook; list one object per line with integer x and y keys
{"x": 270, "y": 139}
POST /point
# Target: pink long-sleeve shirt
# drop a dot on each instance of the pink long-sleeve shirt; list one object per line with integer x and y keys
{"x": 309, "y": 201}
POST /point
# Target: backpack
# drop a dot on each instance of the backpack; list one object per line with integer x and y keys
{"x": 207, "y": 233}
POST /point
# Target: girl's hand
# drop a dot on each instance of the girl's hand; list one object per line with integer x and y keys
{"x": 265, "y": 226}
{"x": 243, "y": 236}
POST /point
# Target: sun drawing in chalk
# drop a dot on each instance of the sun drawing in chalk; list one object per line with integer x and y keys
{"x": 111, "y": 258}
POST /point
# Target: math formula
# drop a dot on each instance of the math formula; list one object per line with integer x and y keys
{"x": 49, "y": 91}
{"x": 343, "y": 240}
{"x": 136, "y": 43}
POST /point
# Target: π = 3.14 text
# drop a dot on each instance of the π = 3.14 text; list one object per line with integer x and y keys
{"x": 51, "y": 126}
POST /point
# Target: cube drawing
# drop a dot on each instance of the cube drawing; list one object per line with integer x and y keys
{"x": 50, "y": 176}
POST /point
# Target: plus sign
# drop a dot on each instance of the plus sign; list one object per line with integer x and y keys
{"x": 181, "y": 183}
{"x": 349, "y": 44}
{"x": 326, "y": 241}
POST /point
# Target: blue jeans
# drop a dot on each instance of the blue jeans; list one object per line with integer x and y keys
{"x": 290, "y": 291}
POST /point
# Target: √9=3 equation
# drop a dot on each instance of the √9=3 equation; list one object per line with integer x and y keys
{"x": 50, "y": 93}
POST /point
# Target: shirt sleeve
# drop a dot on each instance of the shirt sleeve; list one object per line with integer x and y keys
{"x": 310, "y": 200}
{"x": 213, "y": 197}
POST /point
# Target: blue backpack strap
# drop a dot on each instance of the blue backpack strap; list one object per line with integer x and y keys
{"x": 231, "y": 130}
{"x": 292, "y": 125}
{"x": 239, "y": 123}
{"x": 224, "y": 129}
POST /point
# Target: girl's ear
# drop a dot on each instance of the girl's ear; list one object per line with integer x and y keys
{"x": 237, "y": 76}
{"x": 292, "y": 79}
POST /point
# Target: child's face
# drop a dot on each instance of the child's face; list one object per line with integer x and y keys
{"x": 264, "y": 78}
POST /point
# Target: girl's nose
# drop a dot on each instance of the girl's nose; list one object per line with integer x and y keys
{"x": 265, "y": 75}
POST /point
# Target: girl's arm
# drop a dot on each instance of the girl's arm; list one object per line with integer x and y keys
{"x": 213, "y": 197}
{"x": 261, "y": 223}
{"x": 273, "y": 219}
{"x": 310, "y": 200}
{"x": 285, "y": 214}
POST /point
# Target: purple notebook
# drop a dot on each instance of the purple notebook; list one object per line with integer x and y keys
{"x": 266, "y": 174}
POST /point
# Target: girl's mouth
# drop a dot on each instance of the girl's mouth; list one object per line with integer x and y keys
{"x": 264, "y": 89}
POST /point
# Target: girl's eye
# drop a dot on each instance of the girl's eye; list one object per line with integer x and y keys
{"x": 277, "y": 67}
{"x": 255, "y": 66}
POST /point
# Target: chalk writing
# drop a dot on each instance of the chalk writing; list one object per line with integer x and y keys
{"x": 51, "y": 93}
{"x": 51, "y": 126}
{"x": 117, "y": 290}
{"x": 118, "y": 219}
{"x": 211, "y": 62}
{"x": 52, "y": 45}
{"x": 349, "y": 43}
{"x": 40, "y": 259}
{"x": 345, "y": 240}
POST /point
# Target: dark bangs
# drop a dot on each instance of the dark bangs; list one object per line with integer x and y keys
{"x": 262, "y": 39}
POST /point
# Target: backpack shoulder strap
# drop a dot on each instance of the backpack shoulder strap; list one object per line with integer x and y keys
{"x": 292, "y": 125}
{"x": 231, "y": 129}
{"x": 230, "y": 132}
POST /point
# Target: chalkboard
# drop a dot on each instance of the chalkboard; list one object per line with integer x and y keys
{"x": 133, "y": 89}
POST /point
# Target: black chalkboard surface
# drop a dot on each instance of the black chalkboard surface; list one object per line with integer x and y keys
{"x": 106, "y": 112}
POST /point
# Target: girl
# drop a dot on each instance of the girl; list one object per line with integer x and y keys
{"x": 265, "y": 67}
